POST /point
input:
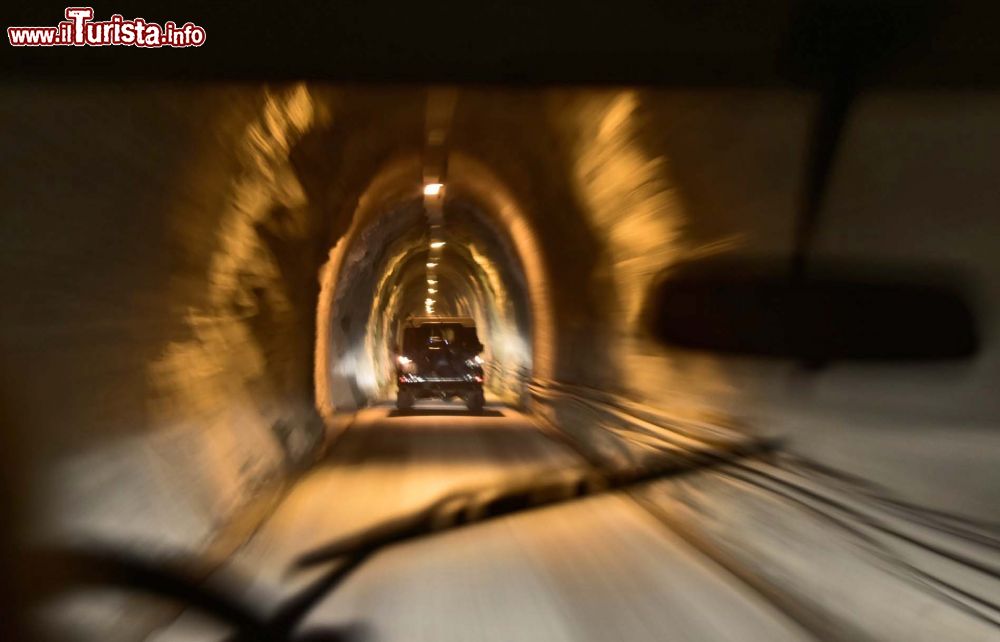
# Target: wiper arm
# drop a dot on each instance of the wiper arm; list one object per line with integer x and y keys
{"x": 470, "y": 506}
{"x": 183, "y": 579}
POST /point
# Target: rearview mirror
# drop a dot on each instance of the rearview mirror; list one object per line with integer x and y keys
{"x": 756, "y": 309}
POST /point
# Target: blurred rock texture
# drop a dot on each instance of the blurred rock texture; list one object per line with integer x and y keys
{"x": 201, "y": 285}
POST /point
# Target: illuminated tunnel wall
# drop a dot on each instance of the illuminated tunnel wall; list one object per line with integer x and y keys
{"x": 377, "y": 278}
{"x": 197, "y": 302}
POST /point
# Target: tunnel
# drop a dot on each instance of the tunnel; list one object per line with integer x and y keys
{"x": 204, "y": 290}
{"x": 460, "y": 258}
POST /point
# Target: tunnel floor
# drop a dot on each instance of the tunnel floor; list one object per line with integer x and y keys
{"x": 594, "y": 569}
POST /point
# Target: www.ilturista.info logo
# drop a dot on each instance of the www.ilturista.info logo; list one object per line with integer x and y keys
{"x": 80, "y": 30}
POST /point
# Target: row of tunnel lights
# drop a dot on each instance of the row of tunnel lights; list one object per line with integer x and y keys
{"x": 432, "y": 189}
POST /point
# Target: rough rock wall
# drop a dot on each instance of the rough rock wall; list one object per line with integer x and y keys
{"x": 159, "y": 282}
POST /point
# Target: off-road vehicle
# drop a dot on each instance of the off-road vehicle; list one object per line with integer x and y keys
{"x": 438, "y": 358}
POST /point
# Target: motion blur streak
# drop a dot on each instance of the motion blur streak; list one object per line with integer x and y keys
{"x": 203, "y": 291}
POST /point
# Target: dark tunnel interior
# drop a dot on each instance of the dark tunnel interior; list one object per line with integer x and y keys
{"x": 740, "y": 351}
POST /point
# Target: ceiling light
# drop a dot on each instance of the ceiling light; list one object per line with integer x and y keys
{"x": 431, "y": 264}
{"x": 437, "y": 244}
{"x": 432, "y": 189}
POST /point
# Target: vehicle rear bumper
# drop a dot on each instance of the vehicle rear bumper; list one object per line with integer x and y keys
{"x": 437, "y": 386}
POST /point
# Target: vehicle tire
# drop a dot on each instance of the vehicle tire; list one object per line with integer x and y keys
{"x": 404, "y": 399}
{"x": 475, "y": 402}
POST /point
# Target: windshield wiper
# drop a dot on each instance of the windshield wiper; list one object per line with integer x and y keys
{"x": 183, "y": 580}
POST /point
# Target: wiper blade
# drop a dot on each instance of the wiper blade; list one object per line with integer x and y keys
{"x": 470, "y": 506}
{"x": 183, "y": 579}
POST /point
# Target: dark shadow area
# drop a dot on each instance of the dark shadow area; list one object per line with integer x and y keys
{"x": 836, "y": 48}
{"x": 183, "y": 581}
{"x": 443, "y": 412}
{"x": 677, "y": 42}
{"x": 841, "y": 311}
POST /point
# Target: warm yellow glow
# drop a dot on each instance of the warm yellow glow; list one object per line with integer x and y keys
{"x": 488, "y": 189}
{"x": 629, "y": 196}
{"x": 431, "y": 264}
{"x": 494, "y": 198}
{"x": 431, "y": 291}
{"x": 432, "y": 189}
{"x": 437, "y": 244}
{"x": 429, "y": 301}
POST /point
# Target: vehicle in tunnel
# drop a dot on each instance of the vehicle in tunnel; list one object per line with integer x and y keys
{"x": 439, "y": 359}
{"x": 197, "y": 361}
